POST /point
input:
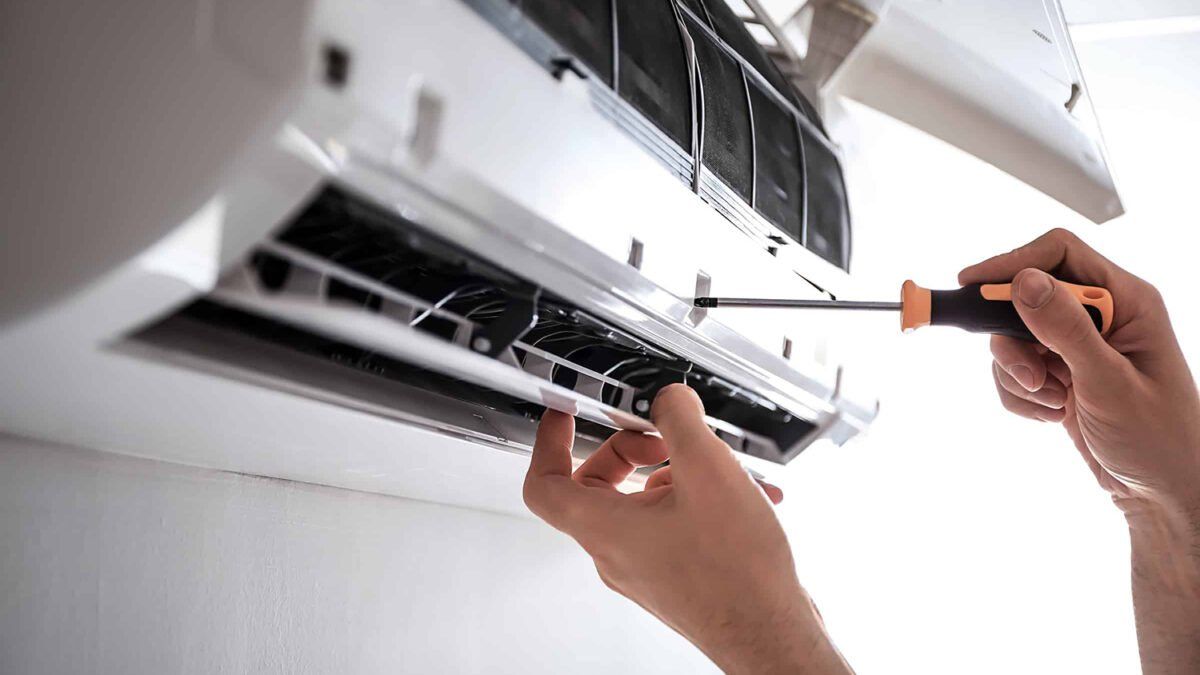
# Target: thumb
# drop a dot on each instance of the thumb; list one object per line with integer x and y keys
{"x": 1059, "y": 321}
{"x": 696, "y": 452}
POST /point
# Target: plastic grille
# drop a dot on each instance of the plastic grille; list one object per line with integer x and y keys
{"x": 344, "y": 252}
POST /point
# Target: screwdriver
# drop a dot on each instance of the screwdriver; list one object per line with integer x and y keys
{"x": 977, "y": 308}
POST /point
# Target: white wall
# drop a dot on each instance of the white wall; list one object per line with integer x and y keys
{"x": 953, "y": 537}
{"x": 117, "y": 565}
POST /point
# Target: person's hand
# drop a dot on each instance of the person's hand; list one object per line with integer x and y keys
{"x": 1131, "y": 407}
{"x": 1129, "y": 403}
{"x": 700, "y": 547}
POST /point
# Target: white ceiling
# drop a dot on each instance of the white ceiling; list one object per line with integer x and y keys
{"x": 1077, "y": 11}
{"x": 1104, "y": 11}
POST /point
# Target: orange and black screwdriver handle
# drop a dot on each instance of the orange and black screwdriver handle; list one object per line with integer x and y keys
{"x": 988, "y": 308}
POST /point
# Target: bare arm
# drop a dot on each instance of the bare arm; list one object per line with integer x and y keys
{"x": 1166, "y": 589}
{"x": 1131, "y": 408}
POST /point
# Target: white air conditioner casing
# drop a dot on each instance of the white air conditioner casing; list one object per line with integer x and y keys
{"x": 425, "y": 111}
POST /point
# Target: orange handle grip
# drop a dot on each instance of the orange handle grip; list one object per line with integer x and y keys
{"x": 975, "y": 309}
{"x": 1088, "y": 296}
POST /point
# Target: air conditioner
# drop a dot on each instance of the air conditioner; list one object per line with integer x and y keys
{"x": 364, "y": 243}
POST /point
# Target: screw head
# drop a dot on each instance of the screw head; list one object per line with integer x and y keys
{"x": 642, "y": 405}
{"x": 481, "y": 344}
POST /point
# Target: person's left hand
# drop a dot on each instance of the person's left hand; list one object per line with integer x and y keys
{"x": 700, "y": 547}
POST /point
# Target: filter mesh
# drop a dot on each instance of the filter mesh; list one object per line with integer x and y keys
{"x": 828, "y": 214}
{"x": 733, "y": 31}
{"x": 583, "y": 27}
{"x": 728, "y": 147}
{"x": 653, "y": 71}
{"x": 779, "y": 186}
{"x": 696, "y": 7}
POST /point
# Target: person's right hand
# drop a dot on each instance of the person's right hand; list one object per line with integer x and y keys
{"x": 1129, "y": 403}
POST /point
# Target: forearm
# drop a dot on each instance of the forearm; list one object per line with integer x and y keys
{"x": 1165, "y": 544}
{"x": 790, "y": 640}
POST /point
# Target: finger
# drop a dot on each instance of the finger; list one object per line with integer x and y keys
{"x": 1058, "y": 369}
{"x": 696, "y": 452}
{"x": 1058, "y": 320}
{"x": 1052, "y": 394}
{"x": 773, "y": 492}
{"x": 549, "y": 491}
{"x": 552, "y": 447}
{"x": 1057, "y": 250}
{"x": 657, "y": 489}
{"x": 618, "y": 457}
{"x": 659, "y": 478}
{"x": 662, "y": 477}
{"x": 1021, "y": 360}
{"x": 1028, "y": 409}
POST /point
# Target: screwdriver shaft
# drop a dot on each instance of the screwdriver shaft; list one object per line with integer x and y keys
{"x": 787, "y": 303}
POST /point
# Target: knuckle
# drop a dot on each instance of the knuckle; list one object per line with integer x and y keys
{"x": 532, "y": 497}
{"x": 1062, "y": 236}
{"x": 1009, "y": 403}
{"x": 1007, "y": 400}
{"x": 609, "y": 583}
{"x": 1151, "y": 293}
{"x": 604, "y": 571}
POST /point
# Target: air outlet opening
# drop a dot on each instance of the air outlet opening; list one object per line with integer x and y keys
{"x": 352, "y": 284}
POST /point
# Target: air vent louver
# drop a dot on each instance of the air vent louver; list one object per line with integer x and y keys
{"x": 348, "y": 255}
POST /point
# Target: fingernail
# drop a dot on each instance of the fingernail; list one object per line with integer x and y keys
{"x": 1023, "y": 375}
{"x": 1035, "y": 289}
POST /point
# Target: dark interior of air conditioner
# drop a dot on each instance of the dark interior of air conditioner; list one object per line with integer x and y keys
{"x": 352, "y": 234}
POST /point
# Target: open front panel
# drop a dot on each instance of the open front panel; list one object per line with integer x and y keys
{"x": 352, "y": 284}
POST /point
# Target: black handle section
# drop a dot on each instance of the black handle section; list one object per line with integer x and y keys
{"x": 966, "y": 308}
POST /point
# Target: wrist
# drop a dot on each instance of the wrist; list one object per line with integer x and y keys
{"x": 790, "y": 638}
{"x": 1166, "y": 533}
{"x": 1172, "y": 519}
